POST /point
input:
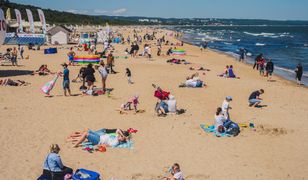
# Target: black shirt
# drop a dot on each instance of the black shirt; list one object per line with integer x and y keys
{"x": 299, "y": 69}
{"x": 254, "y": 95}
{"x": 270, "y": 66}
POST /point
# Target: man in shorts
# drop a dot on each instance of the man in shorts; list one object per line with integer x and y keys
{"x": 66, "y": 79}
{"x": 254, "y": 98}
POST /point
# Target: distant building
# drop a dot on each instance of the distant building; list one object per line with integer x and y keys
{"x": 58, "y": 35}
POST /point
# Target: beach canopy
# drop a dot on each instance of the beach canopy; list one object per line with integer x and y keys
{"x": 178, "y": 52}
{"x": 87, "y": 59}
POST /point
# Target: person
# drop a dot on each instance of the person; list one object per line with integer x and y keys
{"x": 261, "y": 64}
{"x": 53, "y": 167}
{"x": 66, "y": 79}
{"x": 226, "y": 107}
{"x": 193, "y": 81}
{"x": 169, "y": 52}
{"x": 71, "y": 55}
{"x": 230, "y": 73}
{"x": 258, "y": 58}
{"x": 43, "y": 70}
{"x": 110, "y": 62}
{"x": 129, "y": 76}
{"x": 127, "y": 106}
{"x": 176, "y": 173}
{"x": 22, "y": 52}
{"x": 299, "y": 73}
{"x": 171, "y": 103}
{"x": 89, "y": 76}
{"x": 242, "y": 54}
{"x": 204, "y": 45}
{"x": 220, "y": 119}
{"x": 97, "y": 139}
{"x": 161, "y": 108}
{"x": 103, "y": 71}
{"x": 10, "y": 82}
{"x": 254, "y": 98}
{"x": 81, "y": 75}
{"x": 14, "y": 57}
{"x": 269, "y": 69}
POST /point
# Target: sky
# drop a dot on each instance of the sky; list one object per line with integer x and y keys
{"x": 240, "y": 9}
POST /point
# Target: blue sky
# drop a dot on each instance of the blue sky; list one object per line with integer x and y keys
{"x": 248, "y": 9}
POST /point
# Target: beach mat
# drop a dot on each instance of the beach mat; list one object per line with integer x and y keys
{"x": 211, "y": 129}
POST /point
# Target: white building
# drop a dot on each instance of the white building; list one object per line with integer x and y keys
{"x": 58, "y": 35}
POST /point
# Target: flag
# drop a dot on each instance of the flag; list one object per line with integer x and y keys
{"x": 19, "y": 20}
{"x": 30, "y": 19}
{"x": 42, "y": 19}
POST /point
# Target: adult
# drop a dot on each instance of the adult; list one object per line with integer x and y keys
{"x": 176, "y": 173}
{"x": 226, "y": 107}
{"x": 258, "y": 58}
{"x": 220, "y": 119}
{"x": 21, "y": 50}
{"x": 254, "y": 98}
{"x": 110, "y": 63}
{"x": 171, "y": 103}
{"x": 299, "y": 73}
{"x": 97, "y": 139}
{"x": 242, "y": 54}
{"x": 14, "y": 57}
{"x": 269, "y": 69}
{"x": 261, "y": 64}
{"x": 89, "y": 76}
{"x": 103, "y": 72}
{"x": 230, "y": 73}
{"x": 70, "y": 56}
{"x": 66, "y": 79}
{"x": 53, "y": 166}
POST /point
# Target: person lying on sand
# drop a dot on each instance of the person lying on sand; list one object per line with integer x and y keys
{"x": 199, "y": 68}
{"x": 10, "y": 82}
{"x": 176, "y": 173}
{"x": 193, "y": 81}
{"x": 96, "y": 139}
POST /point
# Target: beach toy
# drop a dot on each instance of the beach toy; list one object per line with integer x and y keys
{"x": 49, "y": 85}
{"x": 93, "y": 59}
{"x": 251, "y": 125}
{"x": 178, "y": 52}
{"x": 50, "y": 51}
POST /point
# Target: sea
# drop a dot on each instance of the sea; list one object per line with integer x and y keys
{"x": 285, "y": 45}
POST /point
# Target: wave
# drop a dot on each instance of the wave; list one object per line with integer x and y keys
{"x": 260, "y": 44}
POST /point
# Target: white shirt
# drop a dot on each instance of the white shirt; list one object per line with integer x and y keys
{"x": 171, "y": 105}
{"x": 178, "y": 176}
{"x": 219, "y": 120}
{"x": 225, "y": 108}
{"x": 108, "y": 140}
{"x": 102, "y": 70}
{"x": 191, "y": 83}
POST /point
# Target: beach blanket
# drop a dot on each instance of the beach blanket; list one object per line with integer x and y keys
{"x": 89, "y": 145}
{"x": 211, "y": 129}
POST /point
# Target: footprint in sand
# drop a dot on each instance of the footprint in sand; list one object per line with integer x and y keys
{"x": 271, "y": 131}
{"x": 197, "y": 177}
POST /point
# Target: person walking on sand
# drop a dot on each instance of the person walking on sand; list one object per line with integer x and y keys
{"x": 66, "y": 80}
{"x": 269, "y": 69}
{"x": 299, "y": 73}
{"x": 103, "y": 71}
{"x": 14, "y": 57}
{"x": 258, "y": 58}
{"x": 110, "y": 62}
{"x": 129, "y": 76}
{"x": 254, "y": 98}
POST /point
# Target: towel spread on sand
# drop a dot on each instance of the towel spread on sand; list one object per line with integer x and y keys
{"x": 127, "y": 144}
{"x": 211, "y": 129}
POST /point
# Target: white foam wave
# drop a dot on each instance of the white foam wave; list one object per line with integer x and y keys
{"x": 260, "y": 44}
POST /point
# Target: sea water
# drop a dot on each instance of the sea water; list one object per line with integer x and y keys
{"x": 285, "y": 45}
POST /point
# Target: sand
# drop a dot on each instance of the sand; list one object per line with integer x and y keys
{"x": 30, "y": 122}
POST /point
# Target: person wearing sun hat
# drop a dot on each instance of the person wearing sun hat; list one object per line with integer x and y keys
{"x": 66, "y": 79}
{"x": 226, "y": 106}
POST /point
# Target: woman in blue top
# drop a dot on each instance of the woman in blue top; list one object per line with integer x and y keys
{"x": 53, "y": 166}
{"x": 230, "y": 72}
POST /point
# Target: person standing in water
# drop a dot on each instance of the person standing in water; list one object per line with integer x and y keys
{"x": 299, "y": 73}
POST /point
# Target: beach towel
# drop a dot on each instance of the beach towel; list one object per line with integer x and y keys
{"x": 90, "y": 146}
{"x": 211, "y": 129}
{"x": 49, "y": 85}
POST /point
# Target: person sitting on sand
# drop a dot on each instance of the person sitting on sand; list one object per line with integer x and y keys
{"x": 53, "y": 166}
{"x": 81, "y": 76}
{"x": 43, "y": 70}
{"x": 161, "y": 108}
{"x": 230, "y": 73}
{"x": 254, "y": 98}
{"x": 96, "y": 139}
{"x": 219, "y": 121}
{"x": 176, "y": 173}
{"x": 133, "y": 101}
{"x": 225, "y": 73}
{"x": 10, "y": 82}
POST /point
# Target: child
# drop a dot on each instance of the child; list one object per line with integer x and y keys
{"x": 129, "y": 76}
{"x": 127, "y": 106}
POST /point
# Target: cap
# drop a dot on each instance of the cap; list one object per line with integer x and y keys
{"x": 229, "y": 98}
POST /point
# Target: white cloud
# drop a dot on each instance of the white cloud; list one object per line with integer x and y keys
{"x": 75, "y": 11}
{"x": 100, "y": 11}
{"x": 119, "y": 11}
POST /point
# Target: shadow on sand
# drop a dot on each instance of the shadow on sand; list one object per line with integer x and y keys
{"x": 10, "y": 73}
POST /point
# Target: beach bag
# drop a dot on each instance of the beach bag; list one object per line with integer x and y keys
{"x": 84, "y": 174}
{"x": 232, "y": 128}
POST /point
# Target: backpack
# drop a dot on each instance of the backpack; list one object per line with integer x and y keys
{"x": 84, "y": 174}
{"x": 232, "y": 128}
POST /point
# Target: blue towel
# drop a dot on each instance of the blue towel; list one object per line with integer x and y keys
{"x": 211, "y": 129}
